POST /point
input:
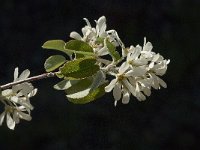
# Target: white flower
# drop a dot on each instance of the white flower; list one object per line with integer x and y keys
{"x": 134, "y": 57}
{"x": 92, "y": 35}
{"x": 122, "y": 85}
{"x": 13, "y": 115}
{"x": 138, "y": 74}
{"x": 17, "y": 100}
{"x": 101, "y": 27}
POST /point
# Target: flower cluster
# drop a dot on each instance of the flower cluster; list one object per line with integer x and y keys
{"x": 94, "y": 36}
{"x": 138, "y": 74}
{"x": 135, "y": 73}
{"x": 16, "y": 100}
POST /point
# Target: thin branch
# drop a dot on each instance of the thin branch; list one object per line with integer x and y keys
{"x": 34, "y": 78}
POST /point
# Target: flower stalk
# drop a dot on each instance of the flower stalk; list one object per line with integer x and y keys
{"x": 30, "y": 79}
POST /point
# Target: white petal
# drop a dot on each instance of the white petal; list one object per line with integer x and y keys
{"x": 141, "y": 96}
{"x": 101, "y": 26}
{"x": 88, "y": 34}
{"x": 131, "y": 80}
{"x": 129, "y": 86}
{"x": 6, "y": 92}
{"x": 131, "y": 49}
{"x": 147, "y": 91}
{"x": 117, "y": 92}
{"x": 109, "y": 87}
{"x": 156, "y": 57}
{"x": 26, "y": 88}
{"x": 102, "y": 32}
{"x": 137, "y": 52}
{"x": 21, "y": 108}
{"x": 16, "y": 88}
{"x": 145, "y": 83}
{"x": 16, "y": 117}
{"x": 162, "y": 83}
{"x": 14, "y": 99}
{"x": 137, "y": 88}
{"x": 103, "y": 51}
{"x": 148, "y": 47}
{"x": 168, "y": 61}
{"x": 126, "y": 97}
{"x": 25, "y": 103}
{"x": 147, "y": 54}
{"x": 24, "y": 74}
{"x": 10, "y": 121}
{"x": 24, "y": 116}
{"x": 87, "y": 22}
{"x": 155, "y": 83}
{"x": 129, "y": 58}
{"x": 141, "y": 61}
{"x": 129, "y": 73}
{"x": 2, "y": 116}
{"x": 139, "y": 71}
{"x": 145, "y": 41}
{"x": 75, "y": 35}
{"x": 151, "y": 65}
{"x": 33, "y": 93}
{"x": 101, "y": 21}
{"x": 85, "y": 30}
{"x": 161, "y": 71}
{"x": 123, "y": 67}
{"x": 16, "y": 72}
{"x": 115, "y": 103}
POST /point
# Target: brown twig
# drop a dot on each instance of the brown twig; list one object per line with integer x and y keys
{"x": 34, "y": 78}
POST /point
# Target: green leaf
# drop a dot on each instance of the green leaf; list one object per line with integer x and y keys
{"x": 112, "y": 49}
{"x": 84, "y": 87}
{"x": 98, "y": 79}
{"x": 53, "y": 62}
{"x": 93, "y": 95}
{"x": 80, "y": 89}
{"x": 65, "y": 84}
{"x": 80, "y": 68}
{"x": 56, "y": 45}
{"x": 79, "y": 46}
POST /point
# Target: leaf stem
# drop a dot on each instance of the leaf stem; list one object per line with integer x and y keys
{"x": 34, "y": 78}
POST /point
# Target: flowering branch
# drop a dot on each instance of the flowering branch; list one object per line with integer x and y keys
{"x": 34, "y": 78}
{"x": 93, "y": 56}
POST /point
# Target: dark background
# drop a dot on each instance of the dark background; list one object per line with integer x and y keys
{"x": 169, "y": 119}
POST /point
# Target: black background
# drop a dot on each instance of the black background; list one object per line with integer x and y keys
{"x": 169, "y": 119}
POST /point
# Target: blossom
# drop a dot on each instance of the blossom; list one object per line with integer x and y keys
{"x": 89, "y": 32}
{"x": 122, "y": 85}
{"x": 134, "y": 57}
{"x": 17, "y": 100}
{"x": 138, "y": 74}
{"x": 13, "y": 116}
{"x": 96, "y": 36}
